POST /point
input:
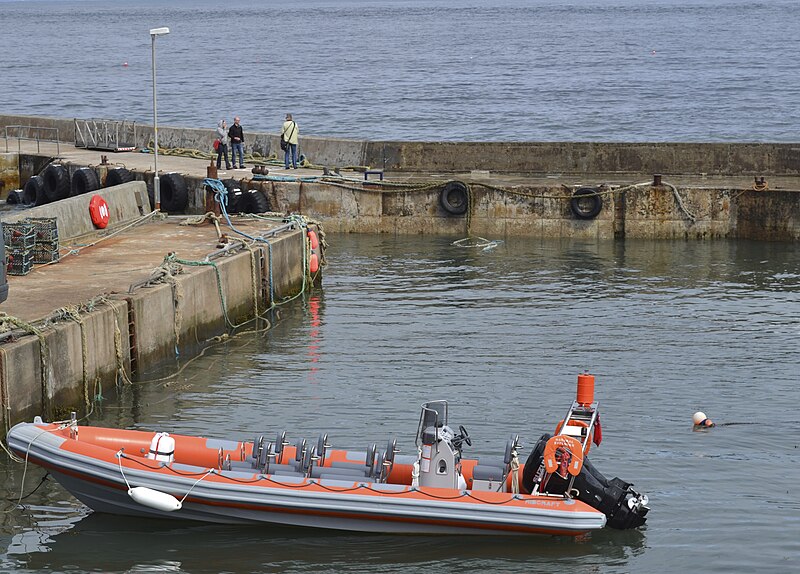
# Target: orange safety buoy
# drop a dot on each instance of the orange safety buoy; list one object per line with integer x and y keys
{"x": 312, "y": 237}
{"x": 571, "y": 454}
{"x": 313, "y": 263}
{"x": 99, "y": 212}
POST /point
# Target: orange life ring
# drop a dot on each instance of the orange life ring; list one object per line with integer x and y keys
{"x": 99, "y": 212}
{"x": 312, "y": 237}
{"x": 576, "y": 423}
{"x": 567, "y": 444}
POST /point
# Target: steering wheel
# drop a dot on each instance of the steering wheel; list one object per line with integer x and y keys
{"x": 464, "y": 435}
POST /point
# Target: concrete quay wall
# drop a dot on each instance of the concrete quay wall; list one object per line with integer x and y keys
{"x": 501, "y": 157}
{"x": 647, "y": 212}
{"x": 139, "y": 331}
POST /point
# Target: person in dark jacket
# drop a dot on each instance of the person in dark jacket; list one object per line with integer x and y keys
{"x": 236, "y": 135}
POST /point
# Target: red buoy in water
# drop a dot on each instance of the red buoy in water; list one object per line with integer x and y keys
{"x": 313, "y": 263}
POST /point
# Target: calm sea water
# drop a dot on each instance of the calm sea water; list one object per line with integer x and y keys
{"x": 532, "y": 70}
{"x": 667, "y": 327}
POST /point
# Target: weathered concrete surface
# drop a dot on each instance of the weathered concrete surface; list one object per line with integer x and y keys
{"x": 503, "y": 157}
{"x": 9, "y": 173}
{"x": 125, "y": 203}
{"x": 586, "y": 157}
{"x": 65, "y": 387}
{"x": 152, "y": 320}
{"x": 363, "y": 207}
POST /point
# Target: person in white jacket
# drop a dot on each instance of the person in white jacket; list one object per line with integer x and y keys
{"x": 289, "y": 133}
{"x": 222, "y": 148}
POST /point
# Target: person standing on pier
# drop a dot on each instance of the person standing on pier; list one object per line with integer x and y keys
{"x": 222, "y": 147}
{"x": 289, "y": 133}
{"x": 237, "y": 139}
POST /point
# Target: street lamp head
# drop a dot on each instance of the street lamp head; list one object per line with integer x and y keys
{"x": 159, "y": 31}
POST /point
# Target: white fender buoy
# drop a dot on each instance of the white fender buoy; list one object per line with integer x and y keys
{"x": 154, "y": 499}
{"x": 698, "y": 417}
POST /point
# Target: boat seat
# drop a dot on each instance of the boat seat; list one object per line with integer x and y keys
{"x": 285, "y": 469}
{"x": 318, "y": 471}
{"x": 280, "y": 442}
{"x": 490, "y": 472}
{"x": 345, "y": 477}
{"x": 368, "y": 466}
{"x": 487, "y": 472}
{"x": 277, "y": 475}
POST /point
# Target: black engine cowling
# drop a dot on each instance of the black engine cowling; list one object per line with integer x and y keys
{"x": 624, "y": 507}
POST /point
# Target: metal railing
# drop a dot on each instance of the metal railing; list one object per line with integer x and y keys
{"x": 109, "y": 135}
{"x": 32, "y": 133}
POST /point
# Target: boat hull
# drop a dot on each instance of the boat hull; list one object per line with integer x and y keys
{"x": 99, "y": 479}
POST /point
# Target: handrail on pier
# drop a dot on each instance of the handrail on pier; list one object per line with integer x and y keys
{"x": 38, "y": 138}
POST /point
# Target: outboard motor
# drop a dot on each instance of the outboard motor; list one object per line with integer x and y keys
{"x": 439, "y": 448}
{"x": 623, "y": 506}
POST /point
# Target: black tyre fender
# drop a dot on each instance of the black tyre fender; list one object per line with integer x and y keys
{"x": 174, "y": 193}
{"x": 33, "y": 192}
{"x": 56, "y": 182}
{"x": 235, "y": 195}
{"x": 253, "y": 201}
{"x": 585, "y": 203}
{"x": 14, "y": 197}
{"x": 118, "y": 176}
{"x": 84, "y": 180}
{"x": 454, "y": 198}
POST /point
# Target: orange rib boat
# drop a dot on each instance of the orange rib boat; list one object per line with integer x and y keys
{"x": 435, "y": 491}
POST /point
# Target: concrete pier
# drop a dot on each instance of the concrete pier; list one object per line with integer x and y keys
{"x": 117, "y": 308}
{"x": 706, "y": 191}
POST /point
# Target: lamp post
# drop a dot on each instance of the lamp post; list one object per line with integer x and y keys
{"x": 156, "y": 184}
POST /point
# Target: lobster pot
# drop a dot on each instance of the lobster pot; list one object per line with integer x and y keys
{"x": 45, "y": 252}
{"x": 18, "y": 236}
{"x": 45, "y": 229}
{"x": 19, "y": 262}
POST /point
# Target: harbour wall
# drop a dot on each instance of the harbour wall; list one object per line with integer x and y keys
{"x": 64, "y": 364}
{"x": 717, "y": 200}
{"x": 500, "y": 157}
{"x": 652, "y": 211}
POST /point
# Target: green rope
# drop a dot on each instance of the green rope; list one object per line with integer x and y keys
{"x": 172, "y": 258}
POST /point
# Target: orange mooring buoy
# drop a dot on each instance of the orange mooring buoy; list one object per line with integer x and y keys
{"x": 313, "y": 263}
{"x": 585, "y": 389}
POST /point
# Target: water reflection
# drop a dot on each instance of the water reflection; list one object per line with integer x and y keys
{"x": 188, "y": 547}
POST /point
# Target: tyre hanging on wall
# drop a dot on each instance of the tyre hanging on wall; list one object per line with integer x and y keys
{"x": 586, "y": 203}
{"x": 174, "y": 194}
{"x": 84, "y": 180}
{"x": 118, "y": 176}
{"x": 14, "y": 197}
{"x": 253, "y": 201}
{"x": 33, "y": 192}
{"x": 235, "y": 196}
{"x": 454, "y": 198}
{"x": 56, "y": 182}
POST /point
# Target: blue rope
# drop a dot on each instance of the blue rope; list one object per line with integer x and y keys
{"x": 221, "y": 197}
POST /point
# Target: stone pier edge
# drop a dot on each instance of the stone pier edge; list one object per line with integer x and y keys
{"x": 147, "y": 335}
